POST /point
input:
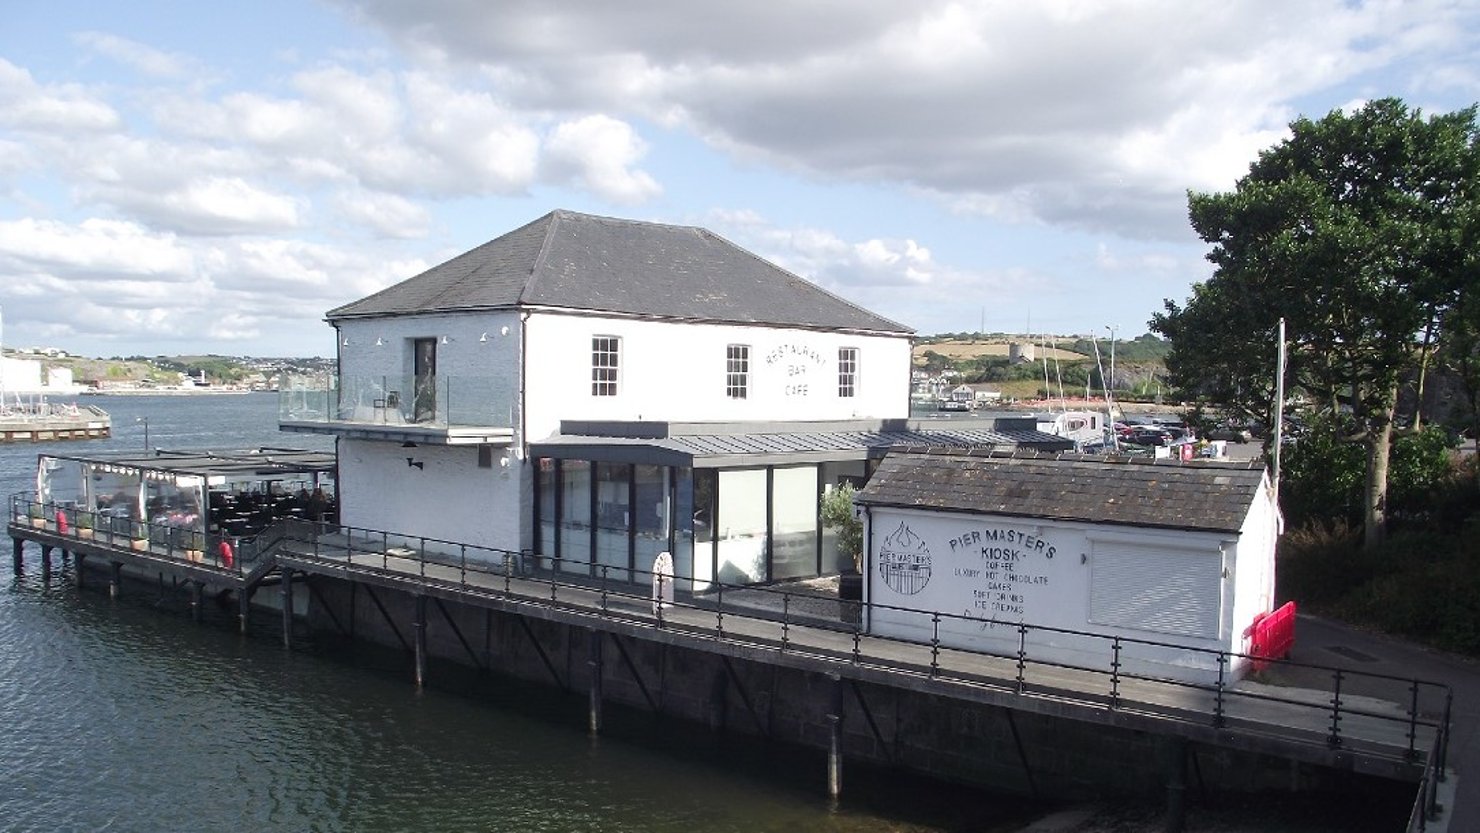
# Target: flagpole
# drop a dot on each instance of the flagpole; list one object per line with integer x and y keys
{"x": 1279, "y": 410}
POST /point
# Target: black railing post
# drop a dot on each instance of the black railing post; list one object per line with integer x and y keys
{"x": 857, "y": 648}
{"x": 1412, "y": 753}
{"x": 785, "y": 618}
{"x": 385, "y": 551}
{"x": 935, "y": 644}
{"x": 1115, "y": 675}
{"x": 1022, "y": 659}
{"x": 462, "y": 565}
{"x": 719, "y": 612}
{"x": 604, "y": 576}
{"x": 554, "y": 565}
{"x": 1444, "y": 736}
{"x": 421, "y": 556}
{"x": 1218, "y": 702}
{"x": 508, "y": 572}
{"x": 1335, "y": 737}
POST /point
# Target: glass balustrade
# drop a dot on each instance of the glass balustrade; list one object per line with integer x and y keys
{"x": 437, "y": 402}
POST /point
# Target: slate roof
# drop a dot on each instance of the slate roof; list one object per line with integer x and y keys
{"x": 577, "y": 261}
{"x": 1209, "y": 496}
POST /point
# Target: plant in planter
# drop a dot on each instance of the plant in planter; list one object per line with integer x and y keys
{"x": 38, "y": 516}
{"x": 837, "y": 515}
{"x": 195, "y": 547}
{"x": 139, "y": 536}
{"x": 82, "y": 522}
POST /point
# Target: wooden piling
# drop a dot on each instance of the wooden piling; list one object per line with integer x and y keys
{"x": 115, "y": 579}
{"x": 835, "y": 740}
{"x": 1175, "y": 750}
{"x": 420, "y": 640}
{"x": 45, "y": 562}
{"x": 287, "y": 596}
{"x": 20, "y": 560}
{"x": 197, "y": 600}
{"x": 593, "y": 661}
{"x": 78, "y": 564}
{"x": 243, "y": 609}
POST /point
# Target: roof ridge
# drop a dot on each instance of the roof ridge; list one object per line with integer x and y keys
{"x": 526, "y": 288}
{"x": 772, "y": 264}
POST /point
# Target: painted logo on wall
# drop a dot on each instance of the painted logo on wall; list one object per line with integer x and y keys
{"x": 904, "y": 561}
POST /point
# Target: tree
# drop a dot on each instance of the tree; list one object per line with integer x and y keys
{"x": 1352, "y": 231}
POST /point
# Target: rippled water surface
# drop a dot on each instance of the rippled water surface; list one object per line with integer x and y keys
{"x": 127, "y": 716}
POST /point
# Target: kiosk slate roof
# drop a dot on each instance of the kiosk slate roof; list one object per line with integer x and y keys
{"x": 1204, "y": 495}
{"x": 578, "y": 261}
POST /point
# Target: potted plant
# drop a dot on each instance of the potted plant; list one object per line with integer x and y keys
{"x": 195, "y": 547}
{"x": 140, "y": 536}
{"x": 82, "y": 521}
{"x": 837, "y": 515}
{"x": 38, "y": 516}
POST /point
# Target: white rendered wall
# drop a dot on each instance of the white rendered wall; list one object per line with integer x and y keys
{"x": 1040, "y": 573}
{"x": 447, "y": 497}
{"x": 477, "y": 346}
{"x": 1254, "y": 590}
{"x": 676, "y": 372}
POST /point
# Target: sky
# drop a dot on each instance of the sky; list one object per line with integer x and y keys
{"x": 184, "y": 178}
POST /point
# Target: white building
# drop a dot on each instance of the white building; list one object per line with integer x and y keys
{"x": 28, "y": 377}
{"x": 1166, "y": 555}
{"x": 601, "y": 390}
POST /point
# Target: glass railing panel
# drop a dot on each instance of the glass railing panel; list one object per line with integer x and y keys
{"x": 431, "y": 402}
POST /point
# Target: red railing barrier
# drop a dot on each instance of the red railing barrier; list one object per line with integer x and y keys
{"x": 1272, "y": 635}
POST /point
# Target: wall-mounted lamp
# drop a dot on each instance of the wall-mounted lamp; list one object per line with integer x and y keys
{"x": 379, "y": 342}
{"x": 503, "y": 331}
{"x": 445, "y": 339}
{"x": 411, "y": 461}
{"x": 344, "y": 343}
{"x": 483, "y": 337}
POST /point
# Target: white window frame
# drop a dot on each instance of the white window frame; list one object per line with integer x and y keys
{"x": 606, "y": 365}
{"x": 847, "y": 372}
{"x": 737, "y": 371}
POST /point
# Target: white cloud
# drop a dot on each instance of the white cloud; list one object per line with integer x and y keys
{"x": 137, "y": 56}
{"x": 1091, "y": 116}
{"x": 598, "y": 153}
{"x": 210, "y": 205}
{"x": 387, "y": 215}
{"x": 98, "y": 249}
{"x": 29, "y": 106}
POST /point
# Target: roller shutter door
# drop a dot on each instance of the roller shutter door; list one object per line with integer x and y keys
{"x": 1156, "y": 589}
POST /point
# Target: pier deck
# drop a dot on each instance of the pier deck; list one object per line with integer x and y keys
{"x": 1365, "y": 723}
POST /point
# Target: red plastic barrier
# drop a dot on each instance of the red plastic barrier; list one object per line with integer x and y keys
{"x": 227, "y": 556}
{"x": 61, "y": 521}
{"x": 1272, "y": 635}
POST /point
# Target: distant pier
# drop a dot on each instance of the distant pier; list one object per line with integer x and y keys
{"x": 47, "y": 423}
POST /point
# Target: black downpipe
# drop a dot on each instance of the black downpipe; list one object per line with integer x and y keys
{"x": 865, "y": 568}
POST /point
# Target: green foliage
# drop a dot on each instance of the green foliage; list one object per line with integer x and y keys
{"x": 837, "y": 515}
{"x": 1358, "y": 232}
{"x": 1323, "y": 475}
{"x": 1421, "y": 584}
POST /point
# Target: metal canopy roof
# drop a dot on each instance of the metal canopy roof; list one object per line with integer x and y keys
{"x": 768, "y": 444}
{"x": 243, "y": 464}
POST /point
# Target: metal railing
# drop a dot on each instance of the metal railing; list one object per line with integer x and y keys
{"x": 438, "y": 401}
{"x": 1416, "y": 711}
{"x": 124, "y": 532}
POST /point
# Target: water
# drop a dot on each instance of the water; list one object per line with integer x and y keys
{"x": 127, "y": 716}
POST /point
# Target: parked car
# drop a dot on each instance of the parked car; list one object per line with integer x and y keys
{"x": 1231, "y": 433}
{"x": 1147, "y": 435}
